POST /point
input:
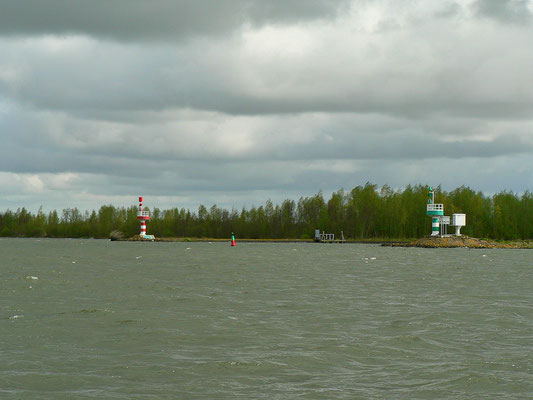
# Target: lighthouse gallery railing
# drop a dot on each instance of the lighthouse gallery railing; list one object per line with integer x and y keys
{"x": 435, "y": 207}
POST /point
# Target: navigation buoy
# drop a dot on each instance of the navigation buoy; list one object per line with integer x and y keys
{"x": 232, "y": 239}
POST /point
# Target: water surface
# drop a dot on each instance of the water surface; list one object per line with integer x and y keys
{"x": 85, "y": 319}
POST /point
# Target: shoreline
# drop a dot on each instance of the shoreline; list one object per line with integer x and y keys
{"x": 206, "y": 240}
{"x": 427, "y": 242}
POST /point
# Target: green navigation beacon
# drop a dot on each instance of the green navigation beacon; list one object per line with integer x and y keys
{"x": 434, "y": 210}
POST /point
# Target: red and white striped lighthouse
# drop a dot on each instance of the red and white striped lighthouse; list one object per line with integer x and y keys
{"x": 142, "y": 216}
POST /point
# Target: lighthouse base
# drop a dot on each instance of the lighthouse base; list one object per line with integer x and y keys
{"x": 149, "y": 238}
{"x": 435, "y": 228}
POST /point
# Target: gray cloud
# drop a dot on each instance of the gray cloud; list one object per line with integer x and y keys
{"x": 450, "y": 73}
{"x": 129, "y": 20}
{"x": 54, "y": 142}
{"x": 263, "y": 100}
{"x": 507, "y": 11}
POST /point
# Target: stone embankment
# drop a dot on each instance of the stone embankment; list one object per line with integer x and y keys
{"x": 428, "y": 242}
{"x": 463, "y": 241}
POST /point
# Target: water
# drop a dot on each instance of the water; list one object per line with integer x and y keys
{"x": 85, "y": 319}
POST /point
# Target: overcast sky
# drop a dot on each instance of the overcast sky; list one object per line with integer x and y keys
{"x": 233, "y": 102}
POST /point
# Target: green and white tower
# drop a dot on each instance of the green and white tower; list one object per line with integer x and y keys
{"x": 435, "y": 211}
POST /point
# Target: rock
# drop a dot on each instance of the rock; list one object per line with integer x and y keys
{"x": 116, "y": 235}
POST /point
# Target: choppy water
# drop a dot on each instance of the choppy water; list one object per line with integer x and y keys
{"x": 82, "y": 319}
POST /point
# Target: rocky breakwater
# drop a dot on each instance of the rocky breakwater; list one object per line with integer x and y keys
{"x": 463, "y": 241}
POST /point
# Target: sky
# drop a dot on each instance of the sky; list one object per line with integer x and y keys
{"x": 233, "y": 102}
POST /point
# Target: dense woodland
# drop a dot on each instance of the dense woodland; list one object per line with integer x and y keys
{"x": 365, "y": 212}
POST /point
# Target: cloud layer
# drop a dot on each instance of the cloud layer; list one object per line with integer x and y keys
{"x": 236, "y": 101}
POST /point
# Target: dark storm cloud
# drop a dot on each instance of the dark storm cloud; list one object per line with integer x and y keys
{"x": 508, "y": 11}
{"x": 127, "y": 20}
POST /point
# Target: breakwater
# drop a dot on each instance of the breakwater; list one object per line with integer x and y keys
{"x": 462, "y": 241}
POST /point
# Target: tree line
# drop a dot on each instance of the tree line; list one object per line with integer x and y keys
{"x": 365, "y": 212}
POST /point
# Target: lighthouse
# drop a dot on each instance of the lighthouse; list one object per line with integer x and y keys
{"x": 435, "y": 211}
{"x": 142, "y": 216}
